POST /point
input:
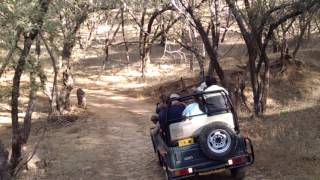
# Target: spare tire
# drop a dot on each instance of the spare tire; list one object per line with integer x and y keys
{"x": 218, "y": 141}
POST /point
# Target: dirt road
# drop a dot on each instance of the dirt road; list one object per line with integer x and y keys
{"x": 112, "y": 144}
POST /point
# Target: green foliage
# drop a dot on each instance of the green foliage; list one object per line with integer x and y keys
{"x": 12, "y": 14}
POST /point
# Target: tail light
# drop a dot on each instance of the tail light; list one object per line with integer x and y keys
{"x": 182, "y": 172}
{"x": 238, "y": 160}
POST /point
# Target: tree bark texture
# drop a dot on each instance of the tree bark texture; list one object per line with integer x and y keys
{"x": 53, "y": 94}
{"x": 65, "y": 74}
{"x": 124, "y": 36}
{"x": 16, "y": 131}
{"x": 211, "y": 49}
{"x": 252, "y": 32}
{"x": 28, "y": 116}
{"x": 146, "y": 41}
{"x": 17, "y": 139}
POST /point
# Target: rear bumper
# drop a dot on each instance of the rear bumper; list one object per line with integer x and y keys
{"x": 212, "y": 167}
{"x": 207, "y": 168}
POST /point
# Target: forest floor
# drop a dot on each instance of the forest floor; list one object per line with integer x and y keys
{"x": 110, "y": 140}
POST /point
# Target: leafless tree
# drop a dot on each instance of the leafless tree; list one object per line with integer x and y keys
{"x": 110, "y": 36}
{"x": 189, "y": 11}
{"x": 304, "y": 24}
{"x": 257, "y": 35}
{"x": 123, "y": 10}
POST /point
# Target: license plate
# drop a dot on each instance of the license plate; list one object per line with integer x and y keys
{"x": 185, "y": 142}
{"x": 212, "y": 172}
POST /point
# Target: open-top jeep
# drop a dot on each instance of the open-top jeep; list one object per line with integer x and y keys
{"x": 205, "y": 143}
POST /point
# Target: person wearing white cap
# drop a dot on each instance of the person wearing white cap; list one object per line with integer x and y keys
{"x": 174, "y": 95}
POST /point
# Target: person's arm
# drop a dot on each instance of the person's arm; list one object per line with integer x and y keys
{"x": 158, "y": 108}
{"x": 161, "y": 119}
{"x": 186, "y": 112}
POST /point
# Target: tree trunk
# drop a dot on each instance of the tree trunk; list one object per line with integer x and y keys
{"x": 109, "y": 40}
{"x": 214, "y": 65}
{"x": 124, "y": 36}
{"x": 193, "y": 46}
{"x": 252, "y": 52}
{"x": 142, "y": 39}
{"x": 228, "y": 24}
{"x": 275, "y": 43}
{"x": 210, "y": 72}
{"x": 54, "y": 93}
{"x": 284, "y": 49}
{"x": 210, "y": 49}
{"x": 145, "y": 59}
{"x": 16, "y": 135}
{"x": 106, "y": 56}
{"x": 309, "y": 31}
{"x": 317, "y": 25}
{"x": 213, "y": 55}
{"x": 200, "y": 60}
{"x": 163, "y": 36}
{"x": 68, "y": 86}
{"x": 44, "y": 82}
{"x": 265, "y": 85}
{"x": 66, "y": 78}
{"x": 303, "y": 28}
{"x": 29, "y": 111}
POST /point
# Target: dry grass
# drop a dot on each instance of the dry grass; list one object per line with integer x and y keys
{"x": 287, "y": 140}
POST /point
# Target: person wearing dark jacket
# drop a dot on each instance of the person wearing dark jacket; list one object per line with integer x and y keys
{"x": 172, "y": 112}
{"x": 167, "y": 112}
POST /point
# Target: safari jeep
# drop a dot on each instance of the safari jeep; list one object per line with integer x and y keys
{"x": 203, "y": 144}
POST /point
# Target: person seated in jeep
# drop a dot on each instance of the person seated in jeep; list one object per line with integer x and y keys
{"x": 162, "y": 103}
{"x": 194, "y": 109}
{"x": 163, "y": 99}
{"x": 216, "y": 102}
{"x": 166, "y": 111}
{"x": 209, "y": 81}
{"x": 172, "y": 111}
